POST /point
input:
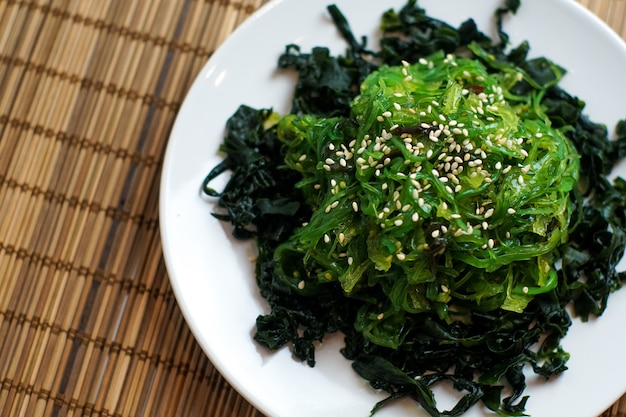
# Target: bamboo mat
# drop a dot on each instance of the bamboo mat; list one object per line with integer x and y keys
{"x": 89, "y": 90}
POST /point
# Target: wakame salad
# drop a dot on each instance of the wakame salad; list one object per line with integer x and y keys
{"x": 440, "y": 200}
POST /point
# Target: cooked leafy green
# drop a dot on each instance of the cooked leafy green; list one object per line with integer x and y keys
{"x": 440, "y": 201}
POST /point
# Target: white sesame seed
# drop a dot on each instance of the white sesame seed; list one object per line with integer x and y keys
{"x": 435, "y": 234}
{"x": 415, "y": 217}
{"x": 301, "y": 285}
{"x": 490, "y": 243}
{"x": 350, "y": 260}
{"x": 489, "y": 213}
{"x": 355, "y": 206}
{"x": 520, "y": 180}
{"x": 397, "y": 106}
{"x": 511, "y": 210}
{"x": 326, "y": 238}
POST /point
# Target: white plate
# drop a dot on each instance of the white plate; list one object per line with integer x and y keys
{"x": 212, "y": 275}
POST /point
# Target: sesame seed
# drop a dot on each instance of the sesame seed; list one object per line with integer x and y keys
{"x": 397, "y": 106}
{"x": 507, "y": 169}
{"x": 520, "y": 180}
{"x": 380, "y": 316}
{"x": 415, "y": 217}
{"x": 490, "y": 243}
{"x": 327, "y": 167}
{"x": 435, "y": 234}
{"x": 301, "y": 285}
{"x": 341, "y": 237}
{"x": 511, "y": 210}
{"x": 444, "y": 288}
{"x": 525, "y": 290}
{"x": 380, "y": 118}
{"x": 326, "y": 238}
{"x": 489, "y": 213}
{"x": 355, "y": 206}
{"x": 350, "y": 260}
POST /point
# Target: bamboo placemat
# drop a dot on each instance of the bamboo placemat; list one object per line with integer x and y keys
{"x": 89, "y": 90}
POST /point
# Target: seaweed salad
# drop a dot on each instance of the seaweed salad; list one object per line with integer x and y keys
{"x": 439, "y": 199}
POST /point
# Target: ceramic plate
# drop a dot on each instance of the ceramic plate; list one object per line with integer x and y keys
{"x": 212, "y": 275}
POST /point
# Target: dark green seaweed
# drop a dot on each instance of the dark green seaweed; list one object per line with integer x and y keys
{"x": 482, "y": 355}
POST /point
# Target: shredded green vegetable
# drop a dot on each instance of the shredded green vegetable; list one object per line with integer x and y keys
{"x": 440, "y": 202}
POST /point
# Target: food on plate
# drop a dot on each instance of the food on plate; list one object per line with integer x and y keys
{"x": 441, "y": 201}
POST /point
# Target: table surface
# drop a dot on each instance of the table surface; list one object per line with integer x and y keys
{"x": 88, "y": 321}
